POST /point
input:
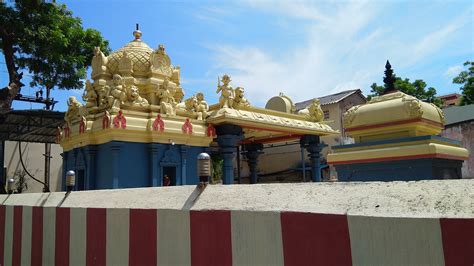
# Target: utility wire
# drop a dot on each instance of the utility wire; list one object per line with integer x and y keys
{"x": 26, "y": 170}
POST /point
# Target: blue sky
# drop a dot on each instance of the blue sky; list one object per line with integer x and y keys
{"x": 305, "y": 49}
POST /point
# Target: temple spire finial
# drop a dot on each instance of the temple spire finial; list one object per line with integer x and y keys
{"x": 389, "y": 79}
{"x": 137, "y": 33}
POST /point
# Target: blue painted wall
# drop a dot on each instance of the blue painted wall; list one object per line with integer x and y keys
{"x": 129, "y": 165}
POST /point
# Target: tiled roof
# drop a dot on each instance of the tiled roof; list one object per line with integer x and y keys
{"x": 328, "y": 99}
{"x": 458, "y": 114}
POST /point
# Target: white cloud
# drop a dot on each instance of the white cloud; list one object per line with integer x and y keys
{"x": 325, "y": 63}
{"x": 453, "y": 71}
{"x": 433, "y": 41}
{"x": 346, "y": 47}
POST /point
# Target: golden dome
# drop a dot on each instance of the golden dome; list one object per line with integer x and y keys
{"x": 393, "y": 115}
{"x": 281, "y": 103}
{"x": 138, "y": 52}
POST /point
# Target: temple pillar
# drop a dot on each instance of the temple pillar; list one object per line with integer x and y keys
{"x": 313, "y": 146}
{"x": 154, "y": 165}
{"x": 115, "y": 149}
{"x": 252, "y": 151}
{"x": 184, "y": 152}
{"x": 228, "y": 137}
{"x": 91, "y": 152}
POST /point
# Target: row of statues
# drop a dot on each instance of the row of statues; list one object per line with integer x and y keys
{"x": 119, "y": 94}
{"x": 112, "y": 97}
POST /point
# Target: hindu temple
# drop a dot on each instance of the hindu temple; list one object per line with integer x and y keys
{"x": 396, "y": 138}
{"x": 138, "y": 128}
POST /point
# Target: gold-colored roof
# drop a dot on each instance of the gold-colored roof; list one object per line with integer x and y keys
{"x": 138, "y": 51}
{"x": 391, "y": 114}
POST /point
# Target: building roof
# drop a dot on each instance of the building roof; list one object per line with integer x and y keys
{"x": 450, "y": 95}
{"x": 329, "y": 99}
{"x": 30, "y": 125}
{"x": 458, "y": 114}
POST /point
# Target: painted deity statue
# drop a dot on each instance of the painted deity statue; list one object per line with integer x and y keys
{"x": 313, "y": 112}
{"x": 227, "y": 93}
{"x": 201, "y": 104}
{"x": 167, "y": 101}
{"x": 135, "y": 99}
{"x": 117, "y": 95}
{"x": 90, "y": 96}
{"x": 239, "y": 100}
{"x": 99, "y": 62}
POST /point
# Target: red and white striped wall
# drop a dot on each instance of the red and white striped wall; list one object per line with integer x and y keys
{"x": 92, "y": 236}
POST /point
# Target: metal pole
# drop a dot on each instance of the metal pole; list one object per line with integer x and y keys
{"x": 47, "y": 166}
{"x": 3, "y": 176}
{"x": 303, "y": 163}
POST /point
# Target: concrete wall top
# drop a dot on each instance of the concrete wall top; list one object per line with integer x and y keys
{"x": 430, "y": 199}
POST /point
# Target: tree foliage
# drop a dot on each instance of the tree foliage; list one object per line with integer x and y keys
{"x": 466, "y": 78}
{"x": 417, "y": 88}
{"x": 45, "y": 40}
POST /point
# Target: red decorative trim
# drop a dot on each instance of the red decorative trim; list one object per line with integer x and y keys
{"x": 158, "y": 124}
{"x": 82, "y": 125}
{"x": 143, "y": 240}
{"x": 398, "y": 158}
{"x": 211, "y": 229}
{"x": 323, "y": 231}
{"x": 106, "y": 120}
{"x": 37, "y": 237}
{"x": 62, "y": 236}
{"x": 187, "y": 127}
{"x": 120, "y": 121}
{"x": 67, "y": 131}
{"x": 17, "y": 230}
{"x": 211, "y": 131}
{"x": 96, "y": 235}
{"x": 458, "y": 240}
{"x": 394, "y": 123}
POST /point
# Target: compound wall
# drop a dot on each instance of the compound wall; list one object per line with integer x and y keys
{"x": 397, "y": 223}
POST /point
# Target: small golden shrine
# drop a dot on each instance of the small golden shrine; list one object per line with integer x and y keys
{"x": 396, "y": 139}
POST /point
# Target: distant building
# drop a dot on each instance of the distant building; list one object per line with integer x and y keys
{"x": 282, "y": 158}
{"x": 450, "y": 99}
{"x": 459, "y": 125}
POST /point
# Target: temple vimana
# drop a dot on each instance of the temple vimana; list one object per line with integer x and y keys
{"x": 138, "y": 125}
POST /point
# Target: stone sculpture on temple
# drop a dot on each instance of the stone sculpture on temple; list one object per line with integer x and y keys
{"x": 134, "y": 98}
{"x": 201, "y": 104}
{"x": 90, "y": 96}
{"x": 239, "y": 100}
{"x": 227, "y": 93}
{"x": 313, "y": 112}
{"x": 99, "y": 62}
{"x": 117, "y": 95}
{"x": 167, "y": 101}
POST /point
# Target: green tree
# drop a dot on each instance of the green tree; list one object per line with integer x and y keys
{"x": 45, "y": 40}
{"x": 466, "y": 78}
{"x": 417, "y": 88}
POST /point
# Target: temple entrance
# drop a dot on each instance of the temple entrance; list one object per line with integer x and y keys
{"x": 169, "y": 171}
{"x": 80, "y": 179}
